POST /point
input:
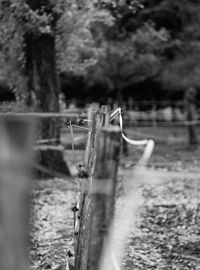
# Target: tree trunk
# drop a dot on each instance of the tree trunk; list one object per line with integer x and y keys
{"x": 191, "y": 115}
{"x": 119, "y": 95}
{"x": 43, "y": 88}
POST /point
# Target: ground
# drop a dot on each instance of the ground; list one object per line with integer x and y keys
{"x": 167, "y": 233}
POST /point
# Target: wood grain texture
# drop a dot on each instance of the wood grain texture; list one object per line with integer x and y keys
{"x": 81, "y": 248}
{"x": 108, "y": 150}
{"x": 97, "y": 208}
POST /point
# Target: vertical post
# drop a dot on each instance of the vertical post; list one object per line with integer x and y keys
{"x": 81, "y": 248}
{"x": 82, "y": 239}
{"x": 154, "y": 114}
{"x": 103, "y": 196}
{"x": 91, "y": 142}
{"x": 105, "y": 115}
{"x": 15, "y": 182}
{"x": 191, "y": 115}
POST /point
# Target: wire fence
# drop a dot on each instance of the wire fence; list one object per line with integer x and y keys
{"x": 74, "y": 120}
{"x": 100, "y": 164}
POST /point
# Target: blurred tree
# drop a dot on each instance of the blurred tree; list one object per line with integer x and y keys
{"x": 80, "y": 32}
{"x": 190, "y": 107}
{"x": 36, "y": 33}
{"x": 116, "y": 43}
{"x": 41, "y": 69}
{"x": 181, "y": 67}
{"x": 28, "y": 29}
{"x": 172, "y": 15}
{"x": 179, "y": 51}
{"x": 125, "y": 13}
{"x": 181, "y": 61}
{"x": 129, "y": 54}
{"x": 128, "y": 61}
{"x": 11, "y": 50}
{"x": 99, "y": 41}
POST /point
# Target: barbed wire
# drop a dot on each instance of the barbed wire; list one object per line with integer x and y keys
{"x": 115, "y": 114}
{"x": 72, "y": 115}
{"x": 181, "y": 123}
{"x": 40, "y": 114}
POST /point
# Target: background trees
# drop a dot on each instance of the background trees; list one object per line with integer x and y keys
{"x": 161, "y": 38}
{"x": 181, "y": 53}
{"x": 28, "y": 30}
{"x": 11, "y": 51}
{"x": 116, "y": 45}
{"x": 132, "y": 40}
{"x": 129, "y": 61}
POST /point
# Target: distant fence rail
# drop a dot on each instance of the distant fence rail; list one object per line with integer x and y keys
{"x": 167, "y": 113}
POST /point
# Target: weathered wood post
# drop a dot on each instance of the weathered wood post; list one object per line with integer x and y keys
{"x": 103, "y": 193}
{"x": 191, "y": 115}
{"x": 15, "y": 183}
{"x": 82, "y": 239}
{"x": 105, "y": 115}
{"x": 154, "y": 114}
{"x": 81, "y": 246}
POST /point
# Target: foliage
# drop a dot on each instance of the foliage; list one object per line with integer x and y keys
{"x": 11, "y": 49}
{"x": 184, "y": 70}
{"x": 173, "y": 15}
{"x": 181, "y": 67}
{"x": 101, "y": 47}
{"x": 131, "y": 60}
{"x": 79, "y": 36}
{"x": 116, "y": 43}
{"x": 17, "y": 19}
{"x": 93, "y": 39}
{"x": 124, "y": 13}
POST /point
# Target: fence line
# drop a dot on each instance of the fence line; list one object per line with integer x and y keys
{"x": 72, "y": 117}
{"x": 67, "y": 113}
{"x": 84, "y": 203}
{"x": 108, "y": 150}
{"x": 95, "y": 206}
{"x": 166, "y": 123}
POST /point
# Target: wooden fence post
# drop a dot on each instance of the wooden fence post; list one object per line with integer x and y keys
{"x": 105, "y": 115}
{"x": 103, "y": 193}
{"x": 191, "y": 115}
{"x": 82, "y": 239}
{"x": 81, "y": 246}
{"x": 15, "y": 184}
